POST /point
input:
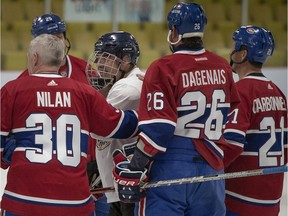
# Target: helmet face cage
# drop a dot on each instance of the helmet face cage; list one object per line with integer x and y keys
{"x": 102, "y": 68}
{"x": 258, "y": 41}
{"x": 188, "y": 18}
{"x": 48, "y": 24}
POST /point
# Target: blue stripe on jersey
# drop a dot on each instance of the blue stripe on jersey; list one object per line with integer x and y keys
{"x": 3, "y": 142}
{"x": 27, "y": 139}
{"x": 58, "y": 203}
{"x": 234, "y": 136}
{"x": 160, "y": 133}
{"x": 257, "y": 140}
{"x": 128, "y": 125}
{"x": 203, "y": 118}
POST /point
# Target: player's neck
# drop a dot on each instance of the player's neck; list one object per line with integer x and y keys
{"x": 47, "y": 70}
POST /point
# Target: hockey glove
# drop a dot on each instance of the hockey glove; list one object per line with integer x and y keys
{"x": 9, "y": 148}
{"x": 128, "y": 150}
{"x": 128, "y": 182}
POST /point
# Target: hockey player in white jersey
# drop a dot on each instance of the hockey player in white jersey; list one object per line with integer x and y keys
{"x": 112, "y": 70}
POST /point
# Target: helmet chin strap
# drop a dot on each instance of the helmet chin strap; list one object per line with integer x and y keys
{"x": 68, "y": 46}
{"x": 173, "y": 43}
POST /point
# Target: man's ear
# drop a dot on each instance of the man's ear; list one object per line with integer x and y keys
{"x": 35, "y": 58}
{"x": 126, "y": 58}
{"x": 174, "y": 34}
{"x": 244, "y": 54}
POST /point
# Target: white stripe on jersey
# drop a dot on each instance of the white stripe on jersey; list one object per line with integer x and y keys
{"x": 262, "y": 131}
{"x": 277, "y": 153}
{"x": 45, "y": 200}
{"x": 235, "y": 131}
{"x": 157, "y": 121}
{"x": 152, "y": 143}
{"x": 38, "y": 150}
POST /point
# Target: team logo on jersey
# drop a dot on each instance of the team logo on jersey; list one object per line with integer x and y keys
{"x": 251, "y": 30}
{"x": 52, "y": 83}
{"x": 63, "y": 73}
{"x": 102, "y": 144}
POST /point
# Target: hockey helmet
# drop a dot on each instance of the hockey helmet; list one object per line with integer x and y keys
{"x": 48, "y": 24}
{"x": 119, "y": 43}
{"x": 258, "y": 41}
{"x": 188, "y": 18}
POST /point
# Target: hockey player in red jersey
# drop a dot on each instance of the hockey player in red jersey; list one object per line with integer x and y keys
{"x": 258, "y": 128}
{"x": 72, "y": 66}
{"x": 51, "y": 117}
{"x": 185, "y": 100}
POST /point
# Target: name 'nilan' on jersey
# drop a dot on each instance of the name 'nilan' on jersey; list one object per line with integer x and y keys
{"x": 259, "y": 127}
{"x": 189, "y": 96}
{"x": 51, "y": 118}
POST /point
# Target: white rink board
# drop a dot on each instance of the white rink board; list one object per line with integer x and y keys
{"x": 279, "y": 77}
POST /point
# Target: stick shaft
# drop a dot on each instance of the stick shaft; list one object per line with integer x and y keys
{"x": 102, "y": 190}
{"x": 247, "y": 173}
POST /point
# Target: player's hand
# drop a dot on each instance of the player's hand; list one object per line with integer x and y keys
{"x": 128, "y": 182}
{"x": 140, "y": 77}
{"x": 9, "y": 148}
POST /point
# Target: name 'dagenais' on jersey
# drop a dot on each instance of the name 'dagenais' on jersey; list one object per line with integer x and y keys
{"x": 203, "y": 77}
{"x": 60, "y": 99}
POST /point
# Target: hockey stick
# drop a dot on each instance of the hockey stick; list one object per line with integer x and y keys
{"x": 265, "y": 171}
{"x": 102, "y": 190}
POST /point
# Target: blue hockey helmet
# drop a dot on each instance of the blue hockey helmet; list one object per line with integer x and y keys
{"x": 258, "y": 41}
{"x": 119, "y": 43}
{"x": 188, "y": 18}
{"x": 48, "y": 24}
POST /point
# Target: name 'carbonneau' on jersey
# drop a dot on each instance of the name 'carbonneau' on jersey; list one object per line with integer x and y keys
{"x": 51, "y": 125}
{"x": 260, "y": 128}
{"x": 202, "y": 98}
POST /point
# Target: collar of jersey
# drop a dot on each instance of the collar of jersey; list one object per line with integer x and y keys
{"x": 191, "y": 52}
{"x": 47, "y": 75}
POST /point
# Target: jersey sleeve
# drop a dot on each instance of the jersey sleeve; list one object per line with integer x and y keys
{"x": 235, "y": 129}
{"x": 156, "y": 128}
{"x": 108, "y": 122}
{"x": 6, "y": 119}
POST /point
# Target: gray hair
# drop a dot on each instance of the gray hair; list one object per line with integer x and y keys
{"x": 50, "y": 49}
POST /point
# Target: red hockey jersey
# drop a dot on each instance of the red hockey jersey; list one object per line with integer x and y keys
{"x": 73, "y": 68}
{"x": 189, "y": 95}
{"x": 259, "y": 127}
{"x": 51, "y": 117}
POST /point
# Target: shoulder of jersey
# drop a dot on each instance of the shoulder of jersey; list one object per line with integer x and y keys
{"x": 78, "y": 60}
